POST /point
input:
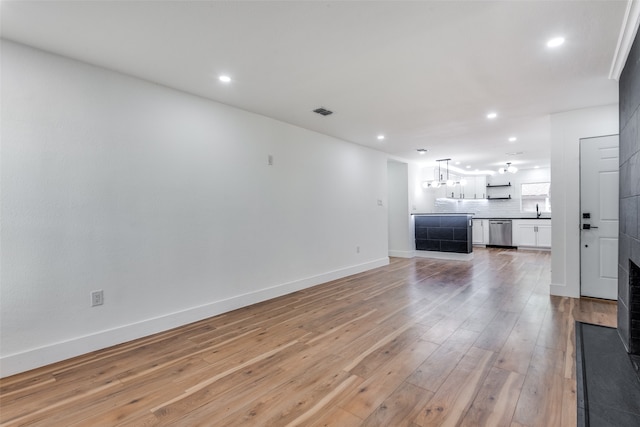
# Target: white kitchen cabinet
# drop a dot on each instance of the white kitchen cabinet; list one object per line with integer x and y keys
{"x": 476, "y": 187}
{"x": 478, "y": 232}
{"x": 469, "y": 189}
{"x": 454, "y": 192}
{"x": 544, "y": 235}
{"x": 532, "y": 233}
{"x": 526, "y": 235}
{"x": 480, "y": 187}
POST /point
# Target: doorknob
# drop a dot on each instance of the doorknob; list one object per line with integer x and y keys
{"x": 588, "y": 226}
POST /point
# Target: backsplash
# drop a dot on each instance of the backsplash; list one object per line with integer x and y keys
{"x": 496, "y": 208}
{"x": 485, "y": 208}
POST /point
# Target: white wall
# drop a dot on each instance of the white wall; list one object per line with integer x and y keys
{"x": 401, "y": 241}
{"x": 420, "y": 200}
{"x": 165, "y": 201}
{"x": 566, "y": 131}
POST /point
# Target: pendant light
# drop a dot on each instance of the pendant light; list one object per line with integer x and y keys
{"x": 510, "y": 168}
{"x": 437, "y": 183}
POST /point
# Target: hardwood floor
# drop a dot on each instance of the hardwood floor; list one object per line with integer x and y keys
{"x": 420, "y": 342}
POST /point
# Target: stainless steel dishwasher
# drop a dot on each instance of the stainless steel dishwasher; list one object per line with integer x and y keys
{"x": 500, "y": 232}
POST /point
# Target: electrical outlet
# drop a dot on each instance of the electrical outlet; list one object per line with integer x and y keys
{"x": 97, "y": 298}
{"x": 357, "y": 249}
{"x": 270, "y": 160}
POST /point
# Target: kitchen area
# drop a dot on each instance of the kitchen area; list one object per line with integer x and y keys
{"x": 502, "y": 208}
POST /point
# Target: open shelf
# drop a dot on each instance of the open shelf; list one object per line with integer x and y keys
{"x": 489, "y": 186}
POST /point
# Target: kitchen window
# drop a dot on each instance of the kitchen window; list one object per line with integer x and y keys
{"x": 536, "y": 193}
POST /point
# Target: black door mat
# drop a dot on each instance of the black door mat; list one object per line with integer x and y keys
{"x": 608, "y": 388}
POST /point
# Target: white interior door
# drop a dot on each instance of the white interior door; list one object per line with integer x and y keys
{"x": 599, "y": 189}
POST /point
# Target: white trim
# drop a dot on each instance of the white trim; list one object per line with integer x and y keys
{"x": 534, "y": 248}
{"x": 38, "y": 357}
{"x": 628, "y": 31}
{"x": 562, "y": 291}
{"x": 445, "y": 255}
{"x": 402, "y": 254}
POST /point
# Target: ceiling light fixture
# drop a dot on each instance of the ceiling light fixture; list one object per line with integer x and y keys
{"x": 380, "y": 137}
{"x": 513, "y": 139}
{"x": 555, "y": 42}
{"x": 224, "y": 79}
{"x": 422, "y": 150}
{"x": 449, "y": 181}
{"x": 510, "y": 168}
{"x": 492, "y": 115}
{"x": 468, "y": 166}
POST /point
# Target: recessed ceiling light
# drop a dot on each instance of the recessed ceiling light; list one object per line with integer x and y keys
{"x": 515, "y": 153}
{"x": 537, "y": 167}
{"x": 457, "y": 163}
{"x": 492, "y": 115}
{"x": 380, "y": 137}
{"x": 422, "y": 150}
{"x": 224, "y": 79}
{"x": 555, "y": 42}
{"x": 513, "y": 139}
{"x": 468, "y": 166}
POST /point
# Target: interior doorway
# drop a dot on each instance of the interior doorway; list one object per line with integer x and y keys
{"x": 399, "y": 221}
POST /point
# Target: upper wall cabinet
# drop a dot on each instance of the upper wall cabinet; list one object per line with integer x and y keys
{"x": 475, "y": 188}
{"x": 480, "y": 187}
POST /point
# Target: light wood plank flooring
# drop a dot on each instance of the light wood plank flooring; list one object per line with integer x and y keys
{"x": 417, "y": 343}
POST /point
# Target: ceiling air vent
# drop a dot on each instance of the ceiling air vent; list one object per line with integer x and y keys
{"x": 322, "y": 111}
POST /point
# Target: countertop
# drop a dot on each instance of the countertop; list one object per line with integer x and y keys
{"x": 513, "y": 217}
{"x": 444, "y": 214}
{"x": 478, "y": 217}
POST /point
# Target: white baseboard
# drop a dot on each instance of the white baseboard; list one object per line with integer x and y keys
{"x": 42, "y": 356}
{"x": 402, "y": 254}
{"x": 562, "y": 291}
{"x": 533, "y": 248}
{"x": 445, "y": 255}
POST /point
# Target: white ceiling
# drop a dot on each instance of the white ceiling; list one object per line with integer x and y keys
{"x": 423, "y": 73}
